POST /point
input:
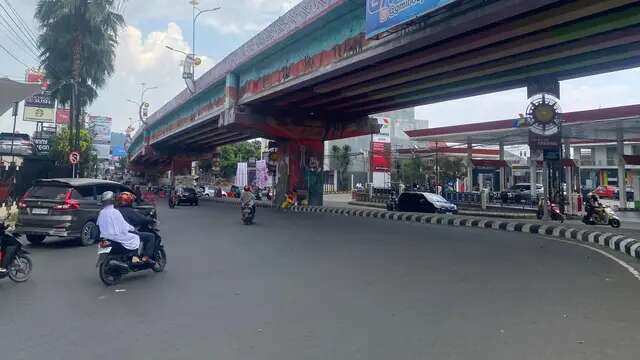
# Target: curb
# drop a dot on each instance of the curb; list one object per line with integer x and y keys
{"x": 260, "y": 204}
{"x": 619, "y": 243}
{"x": 503, "y": 215}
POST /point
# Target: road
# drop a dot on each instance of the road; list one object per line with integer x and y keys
{"x": 315, "y": 286}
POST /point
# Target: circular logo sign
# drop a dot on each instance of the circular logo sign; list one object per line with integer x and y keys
{"x": 74, "y": 157}
{"x": 544, "y": 114}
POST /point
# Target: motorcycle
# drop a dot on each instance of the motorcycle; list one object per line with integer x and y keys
{"x": 607, "y": 217}
{"x": 173, "y": 199}
{"x": 114, "y": 261}
{"x": 554, "y": 212}
{"x": 20, "y": 265}
{"x": 247, "y": 214}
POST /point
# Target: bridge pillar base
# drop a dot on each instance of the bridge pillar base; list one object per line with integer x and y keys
{"x": 300, "y": 170}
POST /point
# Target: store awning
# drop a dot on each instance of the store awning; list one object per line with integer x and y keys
{"x": 13, "y": 91}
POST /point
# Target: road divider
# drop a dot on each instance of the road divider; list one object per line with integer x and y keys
{"x": 621, "y": 243}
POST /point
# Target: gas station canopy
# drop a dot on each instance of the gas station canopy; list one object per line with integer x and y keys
{"x": 600, "y": 125}
{"x": 13, "y": 91}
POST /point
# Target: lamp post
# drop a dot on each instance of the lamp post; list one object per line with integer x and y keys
{"x": 142, "y": 105}
{"x": 196, "y": 13}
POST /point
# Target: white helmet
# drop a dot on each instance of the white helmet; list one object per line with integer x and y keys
{"x": 108, "y": 196}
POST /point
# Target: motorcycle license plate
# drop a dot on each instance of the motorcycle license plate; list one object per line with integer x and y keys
{"x": 104, "y": 250}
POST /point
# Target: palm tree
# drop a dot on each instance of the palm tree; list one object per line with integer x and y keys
{"x": 77, "y": 44}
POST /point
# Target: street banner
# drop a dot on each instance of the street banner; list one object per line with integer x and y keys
{"x": 39, "y": 108}
{"x": 63, "y": 115}
{"x": 383, "y": 15}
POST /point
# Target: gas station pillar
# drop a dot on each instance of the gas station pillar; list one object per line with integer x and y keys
{"x": 622, "y": 186}
{"x": 469, "y": 184}
{"x": 533, "y": 174}
{"x": 568, "y": 175}
{"x": 502, "y": 169}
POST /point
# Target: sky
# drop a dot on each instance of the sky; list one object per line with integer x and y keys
{"x": 141, "y": 57}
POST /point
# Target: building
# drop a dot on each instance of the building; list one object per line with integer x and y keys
{"x": 599, "y": 163}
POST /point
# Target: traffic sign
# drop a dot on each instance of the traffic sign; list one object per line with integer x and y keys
{"x": 74, "y": 157}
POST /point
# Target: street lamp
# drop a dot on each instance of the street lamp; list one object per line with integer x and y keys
{"x": 199, "y": 12}
{"x": 143, "y": 106}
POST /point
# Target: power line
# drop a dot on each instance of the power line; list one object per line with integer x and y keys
{"x": 18, "y": 45}
{"x": 31, "y": 34}
{"x": 10, "y": 29}
{"x": 20, "y": 28}
{"x": 13, "y": 56}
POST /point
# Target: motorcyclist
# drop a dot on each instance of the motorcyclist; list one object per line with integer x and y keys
{"x": 114, "y": 227}
{"x": 248, "y": 199}
{"x": 593, "y": 206}
{"x": 8, "y": 246}
{"x": 132, "y": 216}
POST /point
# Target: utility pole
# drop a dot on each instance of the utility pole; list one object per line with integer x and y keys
{"x": 195, "y": 14}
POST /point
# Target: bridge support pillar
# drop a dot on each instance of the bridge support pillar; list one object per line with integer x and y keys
{"x": 299, "y": 170}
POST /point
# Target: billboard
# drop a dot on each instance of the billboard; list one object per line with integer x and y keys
{"x": 101, "y": 129}
{"x": 103, "y": 151}
{"x": 383, "y": 15}
{"x": 63, "y": 114}
{"x": 39, "y": 108}
{"x": 380, "y": 156}
{"x": 384, "y": 135}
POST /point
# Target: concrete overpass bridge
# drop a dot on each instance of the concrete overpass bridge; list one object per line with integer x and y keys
{"x": 313, "y": 75}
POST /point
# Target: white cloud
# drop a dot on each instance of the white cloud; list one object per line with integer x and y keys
{"x": 144, "y": 59}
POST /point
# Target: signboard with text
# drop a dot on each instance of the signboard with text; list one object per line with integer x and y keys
{"x": 63, "y": 114}
{"x": 383, "y": 15}
{"x": 39, "y": 108}
{"x": 42, "y": 145}
{"x": 380, "y": 156}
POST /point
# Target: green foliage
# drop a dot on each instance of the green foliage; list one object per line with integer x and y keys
{"x": 88, "y": 27}
{"x": 412, "y": 171}
{"x": 341, "y": 157}
{"x": 451, "y": 168}
{"x": 60, "y": 150}
{"x": 232, "y": 154}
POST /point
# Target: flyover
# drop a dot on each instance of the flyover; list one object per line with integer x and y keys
{"x": 313, "y": 74}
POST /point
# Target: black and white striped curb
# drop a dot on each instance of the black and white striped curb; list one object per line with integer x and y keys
{"x": 621, "y": 243}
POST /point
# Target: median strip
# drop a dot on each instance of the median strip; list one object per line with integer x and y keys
{"x": 621, "y": 243}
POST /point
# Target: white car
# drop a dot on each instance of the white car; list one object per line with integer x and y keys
{"x": 209, "y": 193}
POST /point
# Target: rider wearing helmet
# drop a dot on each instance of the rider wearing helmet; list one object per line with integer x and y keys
{"x": 132, "y": 216}
{"x": 593, "y": 205}
{"x": 248, "y": 199}
{"x": 114, "y": 227}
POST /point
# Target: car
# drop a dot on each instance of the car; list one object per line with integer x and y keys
{"x": 424, "y": 202}
{"x": 66, "y": 208}
{"x": 22, "y": 145}
{"x": 520, "y": 192}
{"x": 187, "y": 195}
{"x": 606, "y": 191}
{"x": 206, "y": 192}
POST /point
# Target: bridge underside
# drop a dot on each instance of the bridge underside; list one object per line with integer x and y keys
{"x": 496, "y": 46}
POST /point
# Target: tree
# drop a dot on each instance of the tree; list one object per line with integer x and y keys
{"x": 60, "y": 150}
{"x": 232, "y": 154}
{"x": 342, "y": 159}
{"x": 412, "y": 171}
{"x": 451, "y": 169}
{"x": 77, "y": 44}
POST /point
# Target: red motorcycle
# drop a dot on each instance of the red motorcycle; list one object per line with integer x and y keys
{"x": 553, "y": 209}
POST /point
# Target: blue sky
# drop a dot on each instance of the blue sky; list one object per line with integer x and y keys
{"x": 152, "y": 24}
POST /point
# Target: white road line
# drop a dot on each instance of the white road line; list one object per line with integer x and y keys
{"x": 625, "y": 265}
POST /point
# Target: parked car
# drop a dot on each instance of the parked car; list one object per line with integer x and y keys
{"x": 206, "y": 192}
{"x": 22, "y": 145}
{"x": 606, "y": 191}
{"x": 520, "y": 191}
{"x": 66, "y": 208}
{"x": 424, "y": 202}
{"x": 187, "y": 195}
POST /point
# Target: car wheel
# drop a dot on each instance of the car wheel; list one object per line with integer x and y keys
{"x": 35, "y": 239}
{"x": 207, "y": 196}
{"x": 87, "y": 233}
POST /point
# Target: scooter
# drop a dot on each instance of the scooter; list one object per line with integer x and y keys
{"x": 554, "y": 212}
{"x": 173, "y": 199}
{"x": 114, "y": 261}
{"x": 247, "y": 214}
{"x": 20, "y": 265}
{"x": 608, "y": 217}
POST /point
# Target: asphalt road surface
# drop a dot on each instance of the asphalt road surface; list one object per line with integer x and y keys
{"x": 314, "y": 286}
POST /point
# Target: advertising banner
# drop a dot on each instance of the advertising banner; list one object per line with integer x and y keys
{"x": 62, "y": 115}
{"x": 39, "y": 108}
{"x": 103, "y": 151}
{"x": 383, "y": 15}
{"x": 101, "y": 129}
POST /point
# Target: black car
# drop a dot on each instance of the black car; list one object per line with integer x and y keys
{"x": 424, "y": 202}
{"x": 188, "y": 195}
{"x": 66, "y": 208}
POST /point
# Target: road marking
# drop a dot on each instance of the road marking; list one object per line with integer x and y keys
{"x": 622, "y": 263}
